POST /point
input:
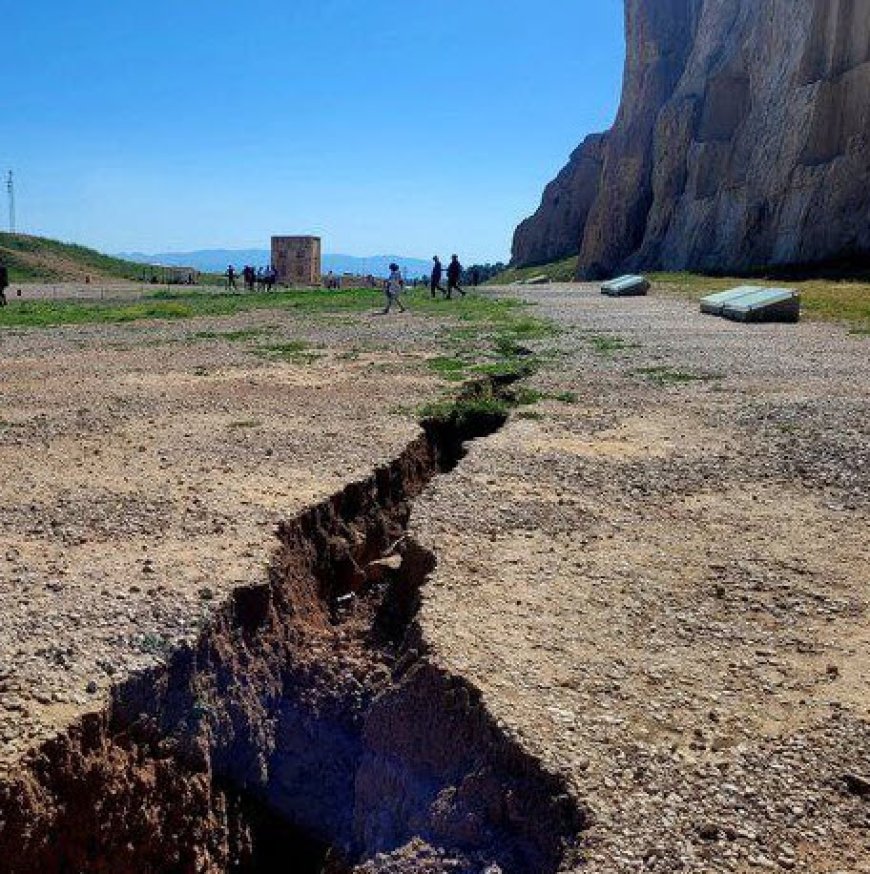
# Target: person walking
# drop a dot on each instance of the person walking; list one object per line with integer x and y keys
{"x": 231, "y": 277}
{"x": 394, "y": 287}
{"x": 435, "y": 279}
{"x": 4, "y": 283}
{"x": 454, "y": 274}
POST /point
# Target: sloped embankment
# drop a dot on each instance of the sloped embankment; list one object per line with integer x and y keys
{"x": 307, "y": 728}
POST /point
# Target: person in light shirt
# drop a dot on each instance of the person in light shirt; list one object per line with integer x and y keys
{"x": 395, "y": 286}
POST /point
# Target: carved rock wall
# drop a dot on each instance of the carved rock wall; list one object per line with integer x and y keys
{"x": 742, "y": 141}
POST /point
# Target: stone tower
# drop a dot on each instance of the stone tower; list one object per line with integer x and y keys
{"x": 297, "y": 260}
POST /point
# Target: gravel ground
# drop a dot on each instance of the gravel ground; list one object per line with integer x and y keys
{"x": 143, "y": 469}
{"x": 99, "y": 289}
{"x": 661, "y": 584}
{"x": 658, "y": 576}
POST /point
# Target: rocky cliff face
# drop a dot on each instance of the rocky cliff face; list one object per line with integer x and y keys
{"x": 552, "y": 233}
{"x": 742, "y": 141}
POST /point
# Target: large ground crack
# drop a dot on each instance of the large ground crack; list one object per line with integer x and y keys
{"x": 307, "y": 729}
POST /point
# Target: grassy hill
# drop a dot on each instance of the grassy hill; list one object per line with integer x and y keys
{"x": 36, "y": 259}
{"x": 558, "y": 271}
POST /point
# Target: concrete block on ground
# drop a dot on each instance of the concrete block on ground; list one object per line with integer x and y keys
{"x": 765, "y": 305}
{"x": 713, "y": 304}
{"x": 626, "y": 286}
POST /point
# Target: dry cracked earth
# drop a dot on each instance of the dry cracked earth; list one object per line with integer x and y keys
{"x": 657, "y": 577}
{"x": 144, "y": 468}
{"x": 663, "y": 587}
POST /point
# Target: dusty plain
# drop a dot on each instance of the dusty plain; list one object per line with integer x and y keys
{"x": 657, "y": 575}
{"x": 144, "y": 468}
{"x": 662, "y": 587}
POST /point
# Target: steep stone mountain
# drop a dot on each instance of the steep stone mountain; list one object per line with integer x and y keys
{"x": 742, "y": 141}
{"x": 552, "y": 233}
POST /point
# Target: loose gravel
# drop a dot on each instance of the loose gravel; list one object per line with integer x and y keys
{"x": 661, "y": 584}
{"x": 657, "y": 575}
{"x": 143, "y": 471}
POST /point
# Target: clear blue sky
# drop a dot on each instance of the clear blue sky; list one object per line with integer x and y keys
{"x": 400, "y": 126}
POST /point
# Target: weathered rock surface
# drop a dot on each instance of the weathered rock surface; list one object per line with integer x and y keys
{"x": 552, "y": 233}
{"x": 742, "y": 140}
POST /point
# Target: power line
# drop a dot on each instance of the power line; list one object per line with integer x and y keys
{"x": 10, "y": 188}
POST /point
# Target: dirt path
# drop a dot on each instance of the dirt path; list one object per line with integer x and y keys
{"x": 662, "y": 587}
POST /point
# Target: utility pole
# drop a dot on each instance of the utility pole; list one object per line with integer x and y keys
{"x": 10, "y": 188}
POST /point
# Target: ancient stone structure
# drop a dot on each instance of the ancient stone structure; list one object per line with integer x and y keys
{"x": 296, "y": 260}
{"x": 742, "y": 141}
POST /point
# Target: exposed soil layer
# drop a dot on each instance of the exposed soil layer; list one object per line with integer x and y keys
{"x": 308, "y": 703}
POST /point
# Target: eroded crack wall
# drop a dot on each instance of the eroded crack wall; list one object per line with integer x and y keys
{"x": 311, "y": 697}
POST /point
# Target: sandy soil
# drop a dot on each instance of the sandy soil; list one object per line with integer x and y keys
{"x": 143, "y": 469}
{"x": 663, "y": 587}
{"x": 658, "y": 581}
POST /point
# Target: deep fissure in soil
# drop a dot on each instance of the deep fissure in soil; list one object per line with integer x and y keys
{"x": 307, "y": 729}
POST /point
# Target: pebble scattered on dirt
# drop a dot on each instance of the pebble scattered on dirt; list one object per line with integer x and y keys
{"x": 144, "y": 467}
{"x": 660, "y": 582}
{"x": 657, "y": 575}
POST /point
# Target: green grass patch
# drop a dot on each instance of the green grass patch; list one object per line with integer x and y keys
{"x": 609, "y": 344}
{"x": 44, "y": 314}
{"x": 284, "y": 350}
{"x": 293, "y": 351}
{"x": 182, "y": 304}
{"x": 524, "y": 396}
{"x": 564, "y": 397}
{"x": 662, "y": 375}
{"x": 503, "y": 369}
{"x": 475, "y": 313}
{"x": 557, "y": 271}
{"x": 232, "y": 336}
{"x": 451, "y": 369}
{"x": 526, "y": 327}
{"x": 491, "y": 339}
{"x": 462, "y": 411}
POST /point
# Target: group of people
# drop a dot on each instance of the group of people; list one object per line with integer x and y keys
{"x": 265, "y": 278}
{"x": 259, "y": 278}
{"x": 396, "y": 283}
{"x": 454, "y": 275}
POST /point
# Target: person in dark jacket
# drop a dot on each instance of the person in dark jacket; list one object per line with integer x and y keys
{"x": 4, "y": 282}
{"x": 435, "y": 280}
{"x": 454, "y": 274}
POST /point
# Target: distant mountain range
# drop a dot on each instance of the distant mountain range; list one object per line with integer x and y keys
{"x": 217, "y": 260}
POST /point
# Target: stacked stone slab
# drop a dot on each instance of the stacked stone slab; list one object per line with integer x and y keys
{"x": 626, "y": 286}
{"x": 754, "y": 304}
{"x": 714, "y": 304}
{"x": 297, "y": 260}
